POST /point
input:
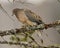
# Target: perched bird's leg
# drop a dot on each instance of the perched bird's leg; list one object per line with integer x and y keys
{"x": 24, "y": 26}
{"x": 31, "y": 23}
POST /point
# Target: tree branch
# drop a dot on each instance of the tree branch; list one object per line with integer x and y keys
{"x": 15, "y": 43}
{"x": 23, "y": 43}
{"x": 29, "y": 29}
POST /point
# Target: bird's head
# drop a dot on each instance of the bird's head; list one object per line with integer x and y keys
{"x": 15, "y": 11}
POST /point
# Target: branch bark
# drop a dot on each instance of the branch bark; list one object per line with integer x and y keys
{"x": 28, "y": 29}
{"x": 15, "y": 43}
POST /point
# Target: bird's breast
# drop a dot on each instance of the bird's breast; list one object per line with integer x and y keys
{"x": 22, "y": 17}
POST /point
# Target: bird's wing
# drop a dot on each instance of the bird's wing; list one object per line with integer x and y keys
{"x": 33, "y": 17}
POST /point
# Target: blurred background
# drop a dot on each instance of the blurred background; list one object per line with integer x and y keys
{"x": 49, "y": 11}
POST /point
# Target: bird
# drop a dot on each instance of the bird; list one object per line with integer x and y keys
{"x": 27, "y": 17}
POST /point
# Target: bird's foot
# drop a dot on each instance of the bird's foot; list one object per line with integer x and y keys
{"x": 23, "y": 26}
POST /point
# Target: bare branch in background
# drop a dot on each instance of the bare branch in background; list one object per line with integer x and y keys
{"x": 1, "y": 7}
{"x": 23, "y": 2}
{"x": 11, "y": 1}
{"x": 58, "y": 0}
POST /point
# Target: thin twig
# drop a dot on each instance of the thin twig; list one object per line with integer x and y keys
{"x": 6, "y": 13}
